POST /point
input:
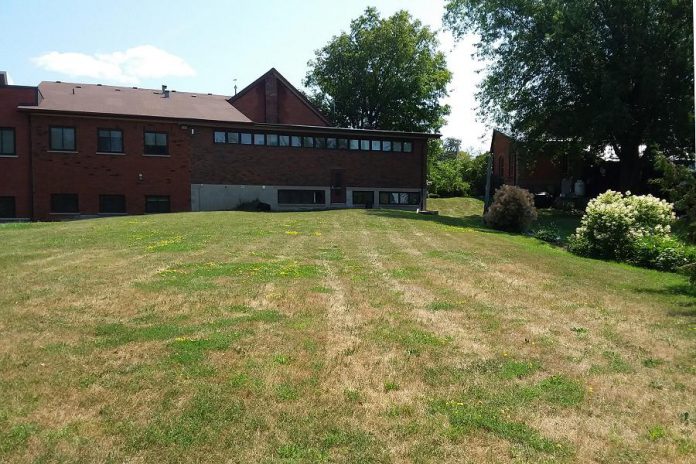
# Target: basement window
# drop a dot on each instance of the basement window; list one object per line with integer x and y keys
{"x": 62, "y": 139}
{"x": 363, "y": 197}
{"x": 112, "y": 204}
{"x": 157, "y": 204}
{"x": 64, "y": 203}
{"x": 110, "y": 141}
{"x": 301, "y": 197}
{"x": 156, "y": 143}
{"x": 7, "y": 141}
{"x": 7, "y": 207}
{"x": 399, "y": 198}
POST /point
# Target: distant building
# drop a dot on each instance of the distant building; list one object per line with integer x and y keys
{"x": 79, "y": 150}
{"x": 553, "y": 171}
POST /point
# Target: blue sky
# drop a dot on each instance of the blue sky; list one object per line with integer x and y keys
{"x": 203, "y": 46}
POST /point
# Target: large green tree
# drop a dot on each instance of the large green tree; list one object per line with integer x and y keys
{"x": 385, "y": 73}
{"x": 600, "y": 73}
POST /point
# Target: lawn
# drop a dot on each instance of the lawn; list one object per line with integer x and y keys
{"x": 341, "y": 336}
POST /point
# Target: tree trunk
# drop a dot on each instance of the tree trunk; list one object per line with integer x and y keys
{"x": 629, "y": 168}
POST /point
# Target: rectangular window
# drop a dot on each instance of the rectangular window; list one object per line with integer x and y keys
{"x": 320, "y": 142}
{"x": 301, "y": 197}
{"x": 7, "y": 207}
{"x": 272, "y": 140}
{"x": 376, "y": 145}
{"x": 363, "y": 198}
{"x": 342, "y": 144}
{"x": 308, "y": 142}
{"x": 396, "y": 146}
{"x": 62, "y": 139}
{"x": 354, "y": 144}
{"x": 386, "y": 145}
{"x": 233, "y": 137}
{"x": 64, "y": 203}
{"x": 110, "y": 141}
{"x": 245, "y": 139}
{"x": 220, "y": 137}
{"x": 156, "y": 143}
{"x": 112, "y": 204}
{"x": 284, "y": 140}
{"x": 259, "y": 139}
{"x": 408, "y": 147}
{"x": 157, "y": 204}
{"x": 7, "y": 141}
{"x": 365, "y": 145}
{"x": 399, "y": 198}
{"x": 296, "y": 141}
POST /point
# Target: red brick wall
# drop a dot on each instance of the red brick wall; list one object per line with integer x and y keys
{"x": 253, "y": 103}
{"x": 90, "y": 174}
{"x": 15, "y": 172}
{"x": 261, "y": 165}
{"x": 292, "y": 110}
{"x": 503, "y": 158}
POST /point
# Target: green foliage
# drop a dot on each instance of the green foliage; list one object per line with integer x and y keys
{"x": 634, "y": 229}
{"x": 678, "y": 184}
{"x": 385, "y": 73}
{"x": 512, "y": 209}
{"x": 612, "y": 73}
{"x": 447, "y": 179}
{"x": 455, "y": 173}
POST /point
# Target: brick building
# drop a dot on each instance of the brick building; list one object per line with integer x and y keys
{"x": 80, "y": 150}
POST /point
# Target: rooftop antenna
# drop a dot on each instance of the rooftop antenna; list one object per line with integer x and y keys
{"x": 235, "y": 86}
{"x": 165, "y": 91}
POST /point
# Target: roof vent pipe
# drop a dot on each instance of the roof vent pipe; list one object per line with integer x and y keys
{"x": 165, "y": 92}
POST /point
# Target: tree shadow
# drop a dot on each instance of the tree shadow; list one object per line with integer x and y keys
{"x": 687, "y": 305}
{"x": 472, "y": 221}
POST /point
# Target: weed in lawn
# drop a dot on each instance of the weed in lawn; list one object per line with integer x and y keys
{"x": 390, "y": 386}
{"x": 442, "y": 306}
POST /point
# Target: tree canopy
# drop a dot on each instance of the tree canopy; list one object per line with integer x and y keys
{"x": 385, "y": 73}
{"x": 598, "y": 73}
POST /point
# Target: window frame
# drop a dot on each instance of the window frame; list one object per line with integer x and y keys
{"x": 169, "y": 203}
{"x": 77, "y": 204}
{"x": 13, "y": 209}
{"x": 363, "y": 192}
{"x": 110, "y": 152}
{"x": 103, "y": 196}
{"x": 14, "y": 141}
{"x": 166, "y": 145}
{"x": 314, "y": 191}
{"x": 64, "y": 150}
{"x": 389, "y": 194}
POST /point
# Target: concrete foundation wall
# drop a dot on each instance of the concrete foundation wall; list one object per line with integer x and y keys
{"x": 215, "y": 197}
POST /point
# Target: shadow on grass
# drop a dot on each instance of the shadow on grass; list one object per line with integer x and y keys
{"x": 472, "y": 221}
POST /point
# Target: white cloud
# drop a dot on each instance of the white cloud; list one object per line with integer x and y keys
{"x": 126, "y": 67}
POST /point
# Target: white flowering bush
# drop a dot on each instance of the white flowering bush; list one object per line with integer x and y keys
{"x": 614, "y": 225}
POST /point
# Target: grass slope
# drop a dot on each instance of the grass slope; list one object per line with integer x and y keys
{"x": 343, "y": 336}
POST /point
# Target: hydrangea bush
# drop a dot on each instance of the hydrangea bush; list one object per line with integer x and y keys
{"x": 632, "y": 228}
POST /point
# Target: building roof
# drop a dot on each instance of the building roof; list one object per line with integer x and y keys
{"x": 133, "y": 101}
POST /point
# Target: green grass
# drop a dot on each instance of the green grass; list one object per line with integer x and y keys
{"x": 336, "y": 336}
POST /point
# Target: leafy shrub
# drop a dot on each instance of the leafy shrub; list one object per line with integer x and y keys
{"x": 614, "y": 222}
{"x": 548, "y": 234}
{"x": 512, "y": 209}
{"x": 678, "y": 184}
{"x": 659, "y": 252}
{"x": 447, "y": 178}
